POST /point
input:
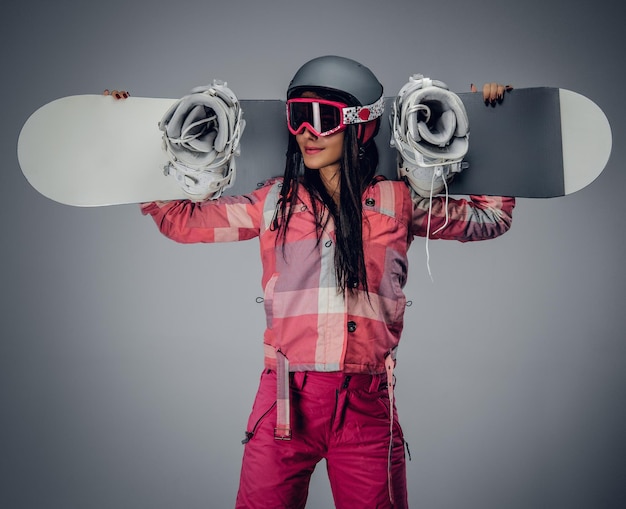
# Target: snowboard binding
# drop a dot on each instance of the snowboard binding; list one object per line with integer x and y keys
{"x": 430, "y": 131}
{"x": 201, "y": 135}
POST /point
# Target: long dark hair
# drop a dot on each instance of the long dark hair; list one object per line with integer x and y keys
{"x": 358, "y": 167}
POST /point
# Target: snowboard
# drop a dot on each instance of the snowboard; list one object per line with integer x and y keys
{"x": 91, "y": 150}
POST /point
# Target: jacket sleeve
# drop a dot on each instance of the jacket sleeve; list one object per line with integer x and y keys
{"x": 226, "y": 219}
{"x": 476, "y": 218}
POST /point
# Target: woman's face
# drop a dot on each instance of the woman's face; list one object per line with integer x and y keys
{"x": 320, "y": 152}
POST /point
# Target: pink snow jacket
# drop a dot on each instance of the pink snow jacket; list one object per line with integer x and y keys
{"x": 313, "y": 325}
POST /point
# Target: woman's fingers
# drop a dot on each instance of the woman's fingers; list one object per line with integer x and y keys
{"x": 116, "y": 94}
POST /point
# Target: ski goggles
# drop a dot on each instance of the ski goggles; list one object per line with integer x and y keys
{"x": 323, "y": 118}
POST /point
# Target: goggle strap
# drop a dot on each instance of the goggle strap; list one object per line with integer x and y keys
{"x": 360, "y": 114}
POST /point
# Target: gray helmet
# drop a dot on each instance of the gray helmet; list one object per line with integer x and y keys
{"x": 340, "y": 75}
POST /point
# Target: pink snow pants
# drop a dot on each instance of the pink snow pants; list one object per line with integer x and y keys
{"x": 342, "y": 418}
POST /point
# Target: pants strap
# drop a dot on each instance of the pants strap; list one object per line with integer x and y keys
{"x": 282, "y": 431}
{"x": 389, "y": 367}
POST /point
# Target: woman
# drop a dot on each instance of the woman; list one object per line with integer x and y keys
{"x": 334, "y": 241}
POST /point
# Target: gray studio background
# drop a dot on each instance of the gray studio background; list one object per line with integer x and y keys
{"x": 128, "y": 364}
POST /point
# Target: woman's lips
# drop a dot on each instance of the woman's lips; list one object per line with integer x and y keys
{"x": 312, "y": 150}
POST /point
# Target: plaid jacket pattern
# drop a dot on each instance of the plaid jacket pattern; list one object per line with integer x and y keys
{"x": 308, "y": 321}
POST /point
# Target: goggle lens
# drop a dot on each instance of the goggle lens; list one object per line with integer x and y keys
{"x": 321, "y": 117}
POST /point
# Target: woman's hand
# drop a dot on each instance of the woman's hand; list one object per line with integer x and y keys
{"x": 493, "y": 93}
{"x": 116, "y": 94}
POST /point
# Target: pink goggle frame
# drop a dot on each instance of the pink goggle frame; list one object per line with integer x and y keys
{"x": 323, "y": 118}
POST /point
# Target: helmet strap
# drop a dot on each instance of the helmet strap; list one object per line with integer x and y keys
{"x": 367, "y": 131}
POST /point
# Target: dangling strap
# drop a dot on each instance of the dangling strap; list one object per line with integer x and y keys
{"x": 389, "y": 366}
{"x": 430, "y": 210}
{"x": 283, "y": 427}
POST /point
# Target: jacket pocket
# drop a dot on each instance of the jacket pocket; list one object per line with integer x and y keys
{"x": 268, "y": 300}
